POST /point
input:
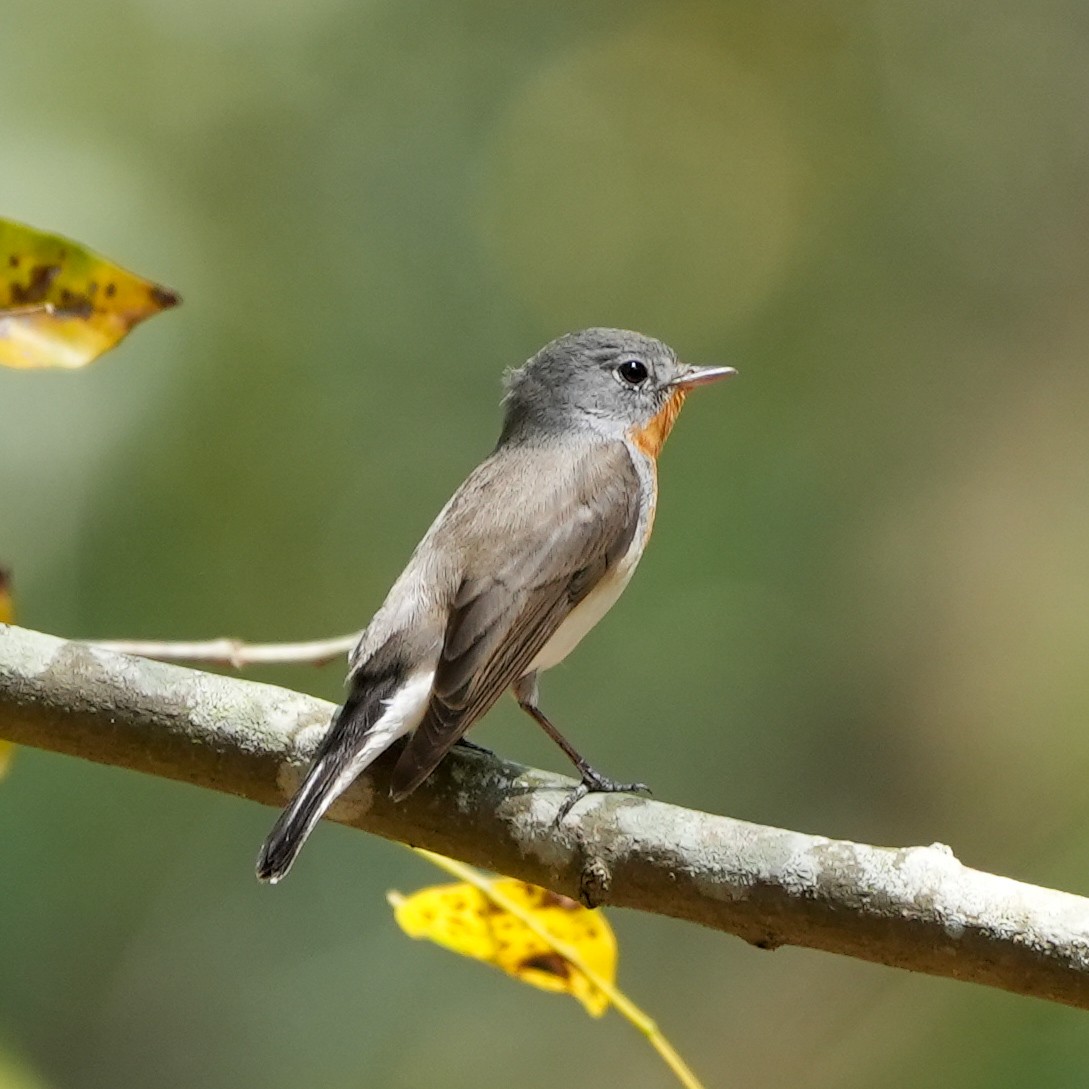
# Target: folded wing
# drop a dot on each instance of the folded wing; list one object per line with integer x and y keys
{"x": 518, "y": 587}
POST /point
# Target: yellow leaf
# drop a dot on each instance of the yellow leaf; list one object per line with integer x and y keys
{"x": 462, "y": 918}
{"x": 7, "y": 616}
{"x": 61, "y": 305}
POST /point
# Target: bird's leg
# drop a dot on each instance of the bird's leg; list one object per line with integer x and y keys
{"x": 593, "y": 782}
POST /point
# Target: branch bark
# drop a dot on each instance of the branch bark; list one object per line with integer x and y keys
{"x": 916, "y": 908}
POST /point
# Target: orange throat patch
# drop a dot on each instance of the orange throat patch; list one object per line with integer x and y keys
{"x": 651, "y": 438}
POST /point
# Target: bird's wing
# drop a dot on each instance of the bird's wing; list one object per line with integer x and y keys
{"x": 518, "y": 587}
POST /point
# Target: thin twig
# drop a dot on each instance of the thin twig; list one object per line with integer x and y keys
{"x": 234, "y": 652}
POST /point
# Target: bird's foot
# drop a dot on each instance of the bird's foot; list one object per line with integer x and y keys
{"x": 595, "y": 783}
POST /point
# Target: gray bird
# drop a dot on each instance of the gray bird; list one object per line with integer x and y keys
{"x": 529, "y": 554}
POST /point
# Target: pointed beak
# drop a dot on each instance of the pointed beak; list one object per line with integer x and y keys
{"x": 701, "y": 376}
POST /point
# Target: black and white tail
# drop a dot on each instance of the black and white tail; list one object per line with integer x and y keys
{"x": 297, "y": 821}
{"x": 358, "y": 735}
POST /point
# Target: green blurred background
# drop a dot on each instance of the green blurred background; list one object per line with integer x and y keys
{"x": 870, "y": 580}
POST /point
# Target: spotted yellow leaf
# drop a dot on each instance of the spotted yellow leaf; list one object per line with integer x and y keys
{"x": 7, "y": 616}
{"x": 462, "y": 918}
{"x": 61, "y": 305}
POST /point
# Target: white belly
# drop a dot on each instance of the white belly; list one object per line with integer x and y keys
{"x": 586, "y": 614}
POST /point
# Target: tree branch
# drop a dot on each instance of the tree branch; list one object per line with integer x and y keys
{"x": 916, "y": 908}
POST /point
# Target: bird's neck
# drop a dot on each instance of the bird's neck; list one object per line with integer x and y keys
{"x": 651, "y": 437}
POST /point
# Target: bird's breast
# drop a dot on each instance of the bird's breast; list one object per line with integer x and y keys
{"x": 605, "y": 594}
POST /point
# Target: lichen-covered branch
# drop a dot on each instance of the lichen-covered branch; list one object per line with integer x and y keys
{"x": 916, "y": 908}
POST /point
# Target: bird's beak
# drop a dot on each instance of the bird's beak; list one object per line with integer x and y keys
{"x": 701, "y": 376}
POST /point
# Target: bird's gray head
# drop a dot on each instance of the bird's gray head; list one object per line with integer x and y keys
{"x": 610, "y": 382}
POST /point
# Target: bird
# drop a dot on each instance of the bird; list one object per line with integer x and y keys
{"x": 531, "y": 551}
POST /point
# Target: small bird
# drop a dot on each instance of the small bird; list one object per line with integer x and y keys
{"x": 530, "y": 553}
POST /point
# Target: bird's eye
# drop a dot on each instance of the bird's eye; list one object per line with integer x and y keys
{"x": 632, "y": 372}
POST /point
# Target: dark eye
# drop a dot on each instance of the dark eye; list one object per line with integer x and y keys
{"x": 633, "y": 372}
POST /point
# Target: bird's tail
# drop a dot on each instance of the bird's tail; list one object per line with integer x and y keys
{"x": 296, "y": 822}
{"x": 345, "y": 752}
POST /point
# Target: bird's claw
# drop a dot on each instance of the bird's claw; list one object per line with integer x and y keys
{"x": 595, "y": 783}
